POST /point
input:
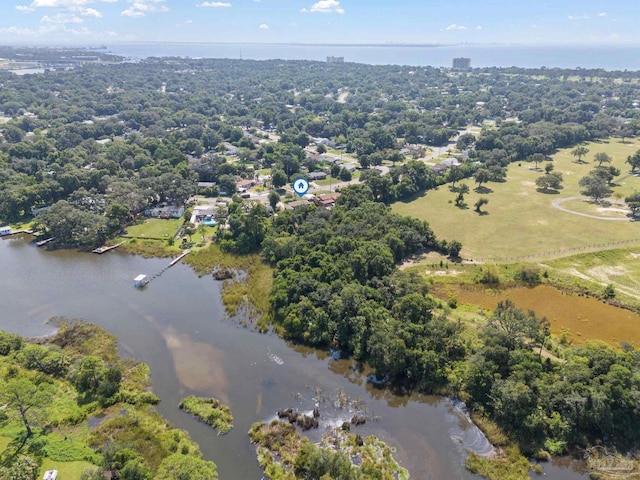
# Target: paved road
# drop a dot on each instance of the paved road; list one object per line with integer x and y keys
{"x": 556, "y": 204}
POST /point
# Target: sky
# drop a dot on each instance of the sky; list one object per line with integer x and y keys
{"x": 531, "y": 22}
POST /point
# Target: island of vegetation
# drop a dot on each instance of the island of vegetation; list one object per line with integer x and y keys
{"x": 71, "y": 404}
{"x": 210, "y": 411}
{"x": 395, "y": 267}
{"x": 285, "y": 455}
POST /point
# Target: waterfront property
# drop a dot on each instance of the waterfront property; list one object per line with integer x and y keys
{"x": 169, "y": 211}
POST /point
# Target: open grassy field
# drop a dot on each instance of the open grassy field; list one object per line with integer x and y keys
{"x": 155, "y": 228}
{"x": 620, "y": 268}
{"x": 521, "y": 221}
{"x": 66, "y": 470}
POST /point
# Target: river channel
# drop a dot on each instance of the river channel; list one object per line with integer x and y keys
{"x": 177, "y": 326}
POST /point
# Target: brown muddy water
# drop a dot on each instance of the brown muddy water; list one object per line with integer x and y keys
{"x": 585, "y": 318}
{"x": 176, "y": 325}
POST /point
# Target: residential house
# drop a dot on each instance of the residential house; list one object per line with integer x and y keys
{"x": 296, "y": 204}
{"x": 326, "y": 200}
{"x": 313, "y": 176}
{"x": 244, "y": 185}
{"x": 169, "y": 211}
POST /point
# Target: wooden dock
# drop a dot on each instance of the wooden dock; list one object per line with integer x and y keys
{"x": 104, "y": 249}
{"x": 177, "y": 259}
{"x": 156, "y": 275}
{"x": 44, "y": 242}
{"x": 17, "y": 232}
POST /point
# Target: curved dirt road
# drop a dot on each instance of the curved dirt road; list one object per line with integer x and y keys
{"x": 556, "y": 204}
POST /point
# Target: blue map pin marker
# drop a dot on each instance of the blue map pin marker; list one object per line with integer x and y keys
{"x": 300, "y": 186}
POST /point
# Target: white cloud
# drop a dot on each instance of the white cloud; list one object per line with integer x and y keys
{"x": 578, "y": 17}
{"x": 479, "y": 27}
{"x": 325, "y": 6}
{"x": 602, "y": 14}
{"x": 61, "y": 19}
{"x": 454, "y": 26}
{"x": 140, "y": 8}
{"x": 615, "y": 36}
{"x": 68, "y": 5}
{"x": 17, "y": 31}
{"x": 214, "y": 4}
{"x": 91, "y": 12}
{"x": 263, "y": 26}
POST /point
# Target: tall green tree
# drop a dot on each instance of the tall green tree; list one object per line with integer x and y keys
{"x": 551, "y": 181}
{"x": 633, "y": 202}
{"x": 182, "y": 467}
{"x": 579, "y": 152}
{"x": 482, "y": 175}
{"x": 27, "y": 400}
{"x": 602, "y": 157}
{"x": 480, "y": 203}
{"x": 634, "y": 161}
{"x": 595, "y": 187}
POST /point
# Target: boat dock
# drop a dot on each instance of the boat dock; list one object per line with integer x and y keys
{"x": 142, "y": 280}
{"x": 44, "y": 242}
{"x": 10, "y": 233}
{"x": 104, "y": 249}
{"x": 177, "y": 259}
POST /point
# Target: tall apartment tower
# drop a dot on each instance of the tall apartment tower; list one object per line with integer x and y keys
{"x": 461, "y": 63}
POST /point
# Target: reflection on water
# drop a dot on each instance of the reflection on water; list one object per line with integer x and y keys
{"x": 177, "y": 327}
{"x": 198, "y": 366}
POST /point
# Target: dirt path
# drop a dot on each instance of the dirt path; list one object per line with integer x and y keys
{"x": 556, "y": 204}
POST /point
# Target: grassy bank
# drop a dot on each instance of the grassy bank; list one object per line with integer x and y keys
{"x": 248, "y": 293}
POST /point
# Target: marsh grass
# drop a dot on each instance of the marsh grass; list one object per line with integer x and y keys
{"x": 210, "y": 411}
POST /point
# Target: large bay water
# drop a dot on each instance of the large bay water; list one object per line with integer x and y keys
{"x": 605, "y": 57}
{"x": 177, "y": 326}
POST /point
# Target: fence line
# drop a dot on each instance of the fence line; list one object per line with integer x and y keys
{"x": 559, "y": 252}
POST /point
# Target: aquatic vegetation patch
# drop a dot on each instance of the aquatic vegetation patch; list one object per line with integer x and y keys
{"x": 209, "y": 410}
{"x": 284, "y": 454}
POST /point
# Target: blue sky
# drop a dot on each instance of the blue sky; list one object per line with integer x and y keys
{"x": 613, "y": 22}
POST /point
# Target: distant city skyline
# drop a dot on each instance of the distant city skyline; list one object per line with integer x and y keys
{"x": 570, "y": 22}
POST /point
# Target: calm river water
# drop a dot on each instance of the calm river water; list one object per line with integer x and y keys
{"x": 176, "y": 325}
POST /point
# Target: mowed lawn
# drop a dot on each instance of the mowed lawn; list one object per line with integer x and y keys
{"x": 66, "y": 470}
{"x": 521, "y": 221}
{"x": 155, "y": 228}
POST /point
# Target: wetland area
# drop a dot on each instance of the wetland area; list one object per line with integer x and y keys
{"x": 177, "y": 326}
